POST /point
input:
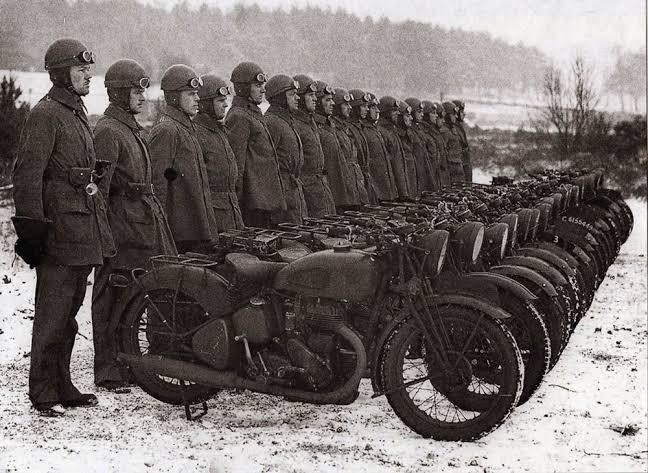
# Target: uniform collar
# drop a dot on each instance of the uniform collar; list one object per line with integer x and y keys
{"x": 208, "y": 122}
{"x": 280, "y": 112}
{"x": 179, "y": 116}
{"x": 243, "y": 102}
{"x": 67, "y": 98}
{"x": 121, "y": 115}
{"x": 323, "y": 119}
{"x": 306, "y": 117}
{"x": 386, "y": 122}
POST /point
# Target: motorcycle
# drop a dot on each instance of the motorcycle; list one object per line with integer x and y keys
{"x": 309, "y": 330}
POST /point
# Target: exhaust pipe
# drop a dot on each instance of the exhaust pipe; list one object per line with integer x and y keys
{"x": 229, "y": 379}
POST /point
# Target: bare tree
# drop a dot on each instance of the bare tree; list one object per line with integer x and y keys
{"x": 570, "y": 107}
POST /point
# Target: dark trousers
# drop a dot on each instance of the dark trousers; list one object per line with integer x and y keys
{"x": 105, "y": 320}
{"x": 59, "y": 294}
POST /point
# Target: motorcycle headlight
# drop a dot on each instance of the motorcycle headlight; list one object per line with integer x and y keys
{"x": 496, "y": 236}
{"x": 511, "y": 220}
{"x": 469, "y": 237}
{"x": 436, "y": 242}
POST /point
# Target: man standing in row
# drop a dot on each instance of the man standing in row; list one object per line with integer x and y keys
{"x": 281, "y": 92}
{"x": 465, "y": 156}
{"x": 179, "y": 173}
{"x": 319, "y": 199}
{"x": 60, "y": 221}
{"x": 259, "y": 186}
{"x": 453, "y": 143}
{"x": 136, "y": 217}
{"x": 220, "y": 163}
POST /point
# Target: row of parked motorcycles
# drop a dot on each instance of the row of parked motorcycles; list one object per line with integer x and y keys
{"x": 455, "y": 305}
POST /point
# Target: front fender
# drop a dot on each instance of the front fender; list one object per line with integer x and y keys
{"x": 539, "y": 266}
{"x": 526, "y": 274}
{"x": 472, "y": 302}
{"x": 503, "y": 282}
{"x": 549, "y": 257}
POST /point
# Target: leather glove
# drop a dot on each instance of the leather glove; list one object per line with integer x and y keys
{"x": 32, "y": 237}
{"x": 31, "y": 251}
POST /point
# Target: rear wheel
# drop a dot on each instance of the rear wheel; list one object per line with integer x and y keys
{"x": 483, "y": 362}
{"x": 152, "y": 327}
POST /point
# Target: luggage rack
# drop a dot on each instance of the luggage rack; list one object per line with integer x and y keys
{"x": 189, "y": 259}
{"x": 255, "y": 240}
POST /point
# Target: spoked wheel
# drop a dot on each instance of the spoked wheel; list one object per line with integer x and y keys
{"x": 152, "y": 326}
{"x": 482, "y": 366}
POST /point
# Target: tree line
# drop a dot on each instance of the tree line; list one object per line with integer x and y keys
{"x": 379, "y": 55}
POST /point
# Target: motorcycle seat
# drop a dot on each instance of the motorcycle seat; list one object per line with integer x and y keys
{"x": 249, "y": 268}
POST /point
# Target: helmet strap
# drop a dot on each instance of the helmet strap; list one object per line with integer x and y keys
{"x": 279, "y": 100}
{"x": 60, "y": 77}
{"x": 206, "y": 107}
{"x": 242, "y": 89}
{"x": 120, "y": 97}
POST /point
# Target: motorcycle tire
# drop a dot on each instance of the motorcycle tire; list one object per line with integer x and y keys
{"x": 143, "y": 333}
{"x": 476, "y": 345}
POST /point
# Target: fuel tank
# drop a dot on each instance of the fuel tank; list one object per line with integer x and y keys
{"x": 341, "y": 274}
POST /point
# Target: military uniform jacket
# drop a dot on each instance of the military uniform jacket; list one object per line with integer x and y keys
{"x": 452, "y": 141}
{"x": 379, "y": 163}
{"x": 222, "y": 171}
{"x": 55, "y": 157}
{"x": 186, "y": 199}
{"x": 355, "y": 151}
{"x": 136, "y": 217}
{"x": 291, "y": 160}
{"x": 259, "y": 184}
{"x": 436, "y": 133}
{"x": 429, "y": 158}
{"x": 411, "y": 145}
{"x": 340, "y": 176}
{"x": 405, "y": 185}
{"x": 465, "y": 151}
{"x": 319, "y": 199}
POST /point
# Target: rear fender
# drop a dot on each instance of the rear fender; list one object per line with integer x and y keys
{"x": 204, "y": 286}
{"x": 526, "y": 274}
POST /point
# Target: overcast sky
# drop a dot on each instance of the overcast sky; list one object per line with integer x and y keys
{"x": 560, "y": 28}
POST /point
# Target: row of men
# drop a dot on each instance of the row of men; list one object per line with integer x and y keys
{"x": 316, "y": 151}
{"x": 109, "y": 199}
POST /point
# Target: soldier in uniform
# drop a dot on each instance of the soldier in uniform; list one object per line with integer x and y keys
{"x": 352, "y": 142}
{"x": 425, "y": 150}
{"x": 452, "y": 140}
{"x": 60, "y": 221}
{"x": 339, "y": 173}
{"x": 319, "y": 199}
{"x": 281, "y": 92}
{"x": 410, "y": 146}
{"x": 179, "y": 173}
{"x": 138, "y": 223}
{"x": 465, "y": 156}
{"x": 259, "y": 186}
{"x": 436, "y": 118}
{"x": 379, "y": 162}
{"x": 359, "y": 110}
{"x": 220, "y": 163}
{"x": 389, "y": 129}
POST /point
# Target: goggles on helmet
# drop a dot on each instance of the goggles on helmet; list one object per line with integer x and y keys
{"x": 366, "y": 98}
{"x": 408, "y": 110}
{"x": 225, "y": 90}
{"x": 261, "y": 77}
{"x": 312, "y": 87}
{"x": 347, "y": 97}
{"x": 142, "y": 83}
{"x": 327, "y": 90}
{"x": 195, "y": 82}
{"x": 84, "y": 57}
{"x": 295, "y": 85}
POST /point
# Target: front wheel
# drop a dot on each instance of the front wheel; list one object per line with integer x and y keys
{"x": 481, "y": 359}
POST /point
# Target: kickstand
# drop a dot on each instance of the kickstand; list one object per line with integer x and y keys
{"x": 187, "y": 406}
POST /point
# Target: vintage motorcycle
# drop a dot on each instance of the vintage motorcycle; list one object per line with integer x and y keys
{"x": 311, "y": 329}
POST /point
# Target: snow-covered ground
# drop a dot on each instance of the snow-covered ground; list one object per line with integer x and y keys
{"x": 582, "y": 418}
